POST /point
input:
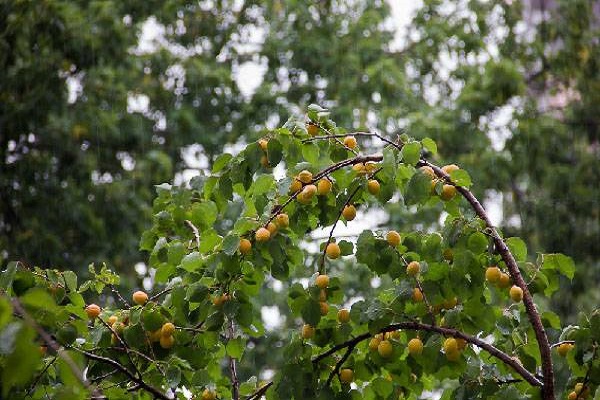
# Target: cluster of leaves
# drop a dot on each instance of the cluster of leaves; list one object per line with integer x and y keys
{"x": 215, "y": 245}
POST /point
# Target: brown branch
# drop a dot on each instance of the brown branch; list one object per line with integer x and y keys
{"x": 39, "y": 376}
{"x": 515, "y": 273}
{"x": 417, "y": 326}
{"x": 124, "y": 344}
{"x": 339, "y": 364}
{"x": 121, "y": 298}
{"x": 156, "y": 392}
{"x": 262, "y": 390}
{"x": 235, "y": 383}
{"x": 157, "y": 295}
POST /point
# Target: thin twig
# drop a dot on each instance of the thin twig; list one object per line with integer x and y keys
{"x": 39, "y": 376}
{"x": 339, "y": 364}
{"x": 124, "y": 344}
{"x": 121, "y": 298}
{"x": 157, "y": 295}
{"x": 194, "y": 231}
{"x": 347, "y": 202}
{"x": 262, "y": 390}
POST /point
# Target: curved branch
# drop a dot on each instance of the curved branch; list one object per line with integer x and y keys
{"x": 417, "y": 326}
{"x": 515, "y": 273}
{"x": 157, "y": 393}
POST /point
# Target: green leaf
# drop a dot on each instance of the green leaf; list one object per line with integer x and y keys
{"x": 310, "y": 153}
{"x": 560, "y": 263}
{"x": 192, "y": 262}
{"x": 204, "y": 214}
{"x": 518, "y": 248}
{"x": 235, "y": 347}
{"x": 231, "y": 244}
{"x": 477, "y": 242}
{"x": 21, "y": 363}
{"x": 274, "y": 152}
{"x": 7, "y": 276}
{"x": 5, "y": 311}
{"x": 418, "y": 189}
{"x": 430, "y": 145}
{"x": 411, "y": 153}
{"x": 221, "y": 162}
{"x": 461, "y": 178}
{"x": 152, "y": 319}
{"x": 263, "y": 184}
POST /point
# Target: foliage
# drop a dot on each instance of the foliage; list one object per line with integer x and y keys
{"x": 477, "y": 342}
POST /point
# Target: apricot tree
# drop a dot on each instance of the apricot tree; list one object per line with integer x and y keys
{"x": 461, "y": 311}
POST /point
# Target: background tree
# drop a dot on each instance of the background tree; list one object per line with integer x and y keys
{"x": 460, "y": 310}
{"x": 512, "y": 99}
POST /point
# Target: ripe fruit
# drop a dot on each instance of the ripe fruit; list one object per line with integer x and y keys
{"x": 450, "y": 345}
{"x": 344, "y": 316}
{"x": 448, "y": 192}
{"x": 374, "y": 343}
{"x": 450, "y": 168}
{"x": 324, "y": 307}
{"x": 394, "y": 335}
{"x": 140, "y": 297}
{"x": 263, "y": 143}
{"x": 272, "y": 228}
{"x": 373, "y": 187}
{"x": 573, "y": 396}
{"x": 308, "y": 331}
{"x": 262, "y": 235}
{"x": 393, "y": 238}
{"x": 413, "y": 268}
{"x": 564, "y": 348}
{"x": 516, "y": 294}
{"x": 166, "y": 342}
{"x": 461, "y": 343}
{"x": 92, "y": 311}
{"x": 350, "y": 142}
{"x": 323, "y": 295}
{"x": 312, "y": 129}
{"x": 155, "y": 336}
{"x": 359, "y": 168}
{"x": 453, "y": 355}
{"x": 417, "y": 295}
{"x": 283, "y": 220}
{"x": 370, "y": 167}
{"x": 324, "y": 187}
{"x": 208, "y": 395}
{"x": 322, "y": 281}
{"x": 578, "y": 388}
{"x": 448, "y": 255}
{"x": 349, "y": 212}
{"x": 415, "y": 347}
{"x": 427, "y": 170}
{"x": 295, "y": 186}
{"x": 385, "y": 349}
{"x": 346, "y": 375}
{"x": 305, "y": 176}
{"x": 449, "y": 304}
{"x": 167, "y": 329}
{"x": 504, "y": 280}
{"x": 492, "y": 274}
{"x": 219, "y": 300}
{"x": 264, "y": 161}
{"x": 333, "y": 250}
{"x": 245, "y": 246}
{"x": 307, "y": 193}
{"x": 111, "y": 320}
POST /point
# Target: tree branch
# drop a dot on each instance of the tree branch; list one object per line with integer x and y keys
{"x": 515, "y": 273}
{"x": 417, "y": 326}
{"x": 157, "y": 393}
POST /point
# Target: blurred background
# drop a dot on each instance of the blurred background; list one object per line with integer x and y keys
{"x": 101, "y": 100}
